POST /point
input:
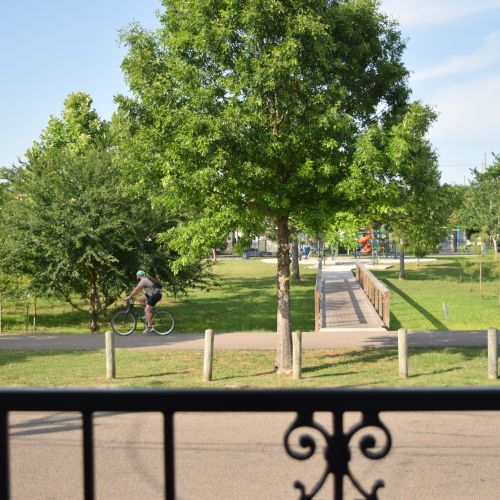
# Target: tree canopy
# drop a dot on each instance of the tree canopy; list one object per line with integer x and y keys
{"x": 71, "y": 223}
{"x": 395, "y": 180}
{"x": 480, "y": 207}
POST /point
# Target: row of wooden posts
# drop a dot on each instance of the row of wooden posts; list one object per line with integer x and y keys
{"x": 492, "y": 353}
{"x": 208, "y": 358}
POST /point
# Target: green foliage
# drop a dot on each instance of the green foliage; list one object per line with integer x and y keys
{"x": 70, "y": 227}
{"x": 72, "y": 224}
{"x": 479, "y": 209}
{"x": 250, "y": 109}
{"x": 395, "y": 179}
{"x": 79, "y": 129}
{"x": 343, "y": 231}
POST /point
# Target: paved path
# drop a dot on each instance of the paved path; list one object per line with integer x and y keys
{"x": 344, "y": 305}
{"x": 246, "y": 340}
{"x": 226, "y": 456}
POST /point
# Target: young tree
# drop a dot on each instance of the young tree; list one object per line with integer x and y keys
{"x": 395, "y": 178}
{"x": 251, "y": 110}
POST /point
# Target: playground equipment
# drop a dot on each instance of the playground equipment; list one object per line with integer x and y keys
{"x": 366, "y": 243}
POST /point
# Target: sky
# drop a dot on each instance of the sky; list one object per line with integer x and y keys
{"x": 50, "y": 48}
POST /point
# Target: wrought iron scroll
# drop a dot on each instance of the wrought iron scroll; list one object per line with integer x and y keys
{"x": 337, "y": 451}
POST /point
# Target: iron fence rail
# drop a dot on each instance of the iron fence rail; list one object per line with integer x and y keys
{"x": 370, "y": 402}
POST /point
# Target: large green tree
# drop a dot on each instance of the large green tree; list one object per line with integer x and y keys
{"x": 250, "y": 109}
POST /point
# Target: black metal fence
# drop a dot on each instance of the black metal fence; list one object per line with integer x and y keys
{"x": 370, "y": 403}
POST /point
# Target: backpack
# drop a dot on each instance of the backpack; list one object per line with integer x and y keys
{"x": 157, "y": 284}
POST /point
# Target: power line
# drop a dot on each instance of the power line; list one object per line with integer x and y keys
{"x": 457, "y": 164}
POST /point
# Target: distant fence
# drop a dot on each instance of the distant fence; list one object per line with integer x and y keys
{"x": 378, "y": 294}
{"x": 318, "y": 293}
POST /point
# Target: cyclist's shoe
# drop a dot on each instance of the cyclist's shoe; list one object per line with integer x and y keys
{"x": 148, "y": 329}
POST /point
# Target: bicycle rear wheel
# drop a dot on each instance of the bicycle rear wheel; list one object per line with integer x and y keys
{"x": 163, "y": 322}
{"x": 123, "y": 323}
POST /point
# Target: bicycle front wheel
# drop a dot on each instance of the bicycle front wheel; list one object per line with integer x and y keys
{"x": 123, "y": 323}
{"x": 163, "y": 322}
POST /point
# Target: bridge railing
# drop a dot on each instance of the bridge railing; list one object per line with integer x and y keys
{"x": 318, "y": 294}
{"x": 368, "y": 402}
{"x": 378, "y": 293}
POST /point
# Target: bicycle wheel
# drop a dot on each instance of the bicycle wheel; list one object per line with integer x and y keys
{"x": 123, "y": 323}
{"x": 163, "y": 322}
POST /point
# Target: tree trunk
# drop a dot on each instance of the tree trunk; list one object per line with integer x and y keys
{"x": 402, "y": 273}
{"x": 284, "y": 349}
{"x": 295, "y": 261}
{"x": 1, "y": 312}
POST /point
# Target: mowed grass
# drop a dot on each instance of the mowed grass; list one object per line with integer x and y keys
{"x": 246, "y": 299}
{"x": 417, "y": 301}
{"x": 245, "y": 369}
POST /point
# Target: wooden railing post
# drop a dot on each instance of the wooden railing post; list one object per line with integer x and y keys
{"x": 318, "y": 293}
{"x": 376, "y": 292}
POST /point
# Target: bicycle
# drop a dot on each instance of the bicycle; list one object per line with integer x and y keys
{"x": 124, "y": 322}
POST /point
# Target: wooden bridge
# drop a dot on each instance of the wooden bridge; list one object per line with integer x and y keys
{"x": 343, "y": 305}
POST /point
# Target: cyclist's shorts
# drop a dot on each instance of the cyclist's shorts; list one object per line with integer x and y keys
{"x": 152, "y": 300}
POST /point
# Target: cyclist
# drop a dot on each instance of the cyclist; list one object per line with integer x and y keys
{"x": 152, "y": 295}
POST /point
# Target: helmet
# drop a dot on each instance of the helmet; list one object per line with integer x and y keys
{"x": 140, "y": 273}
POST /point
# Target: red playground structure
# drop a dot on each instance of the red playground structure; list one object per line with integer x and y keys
{"x": 366, "y": 243}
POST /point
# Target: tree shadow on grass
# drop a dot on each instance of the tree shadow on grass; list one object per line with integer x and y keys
{"x": 149, "y": 375}
{"x": 231, "y": 377}
{"x": 465, "y": 353}
{"x": 341, "y": 374}
{"x": 8, "y": 357}
{"x": 434, "y": 372}
{"x": 424, "y": 312}
{"x": 367, "y": 355}
{"x": 372, "y": 355}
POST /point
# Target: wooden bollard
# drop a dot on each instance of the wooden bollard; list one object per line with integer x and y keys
{"x": 492, "y": 353}
{"x": 403, "y": 352}
{"x": 110, "y": 354}
{"x": 297, "y": 354}
{"x": 208, "y": 359}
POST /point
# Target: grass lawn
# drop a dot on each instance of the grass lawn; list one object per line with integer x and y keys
{"x": 245, "y": 369}
{"x": 417, "y": 301}
{"x": 246, "y": 300}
